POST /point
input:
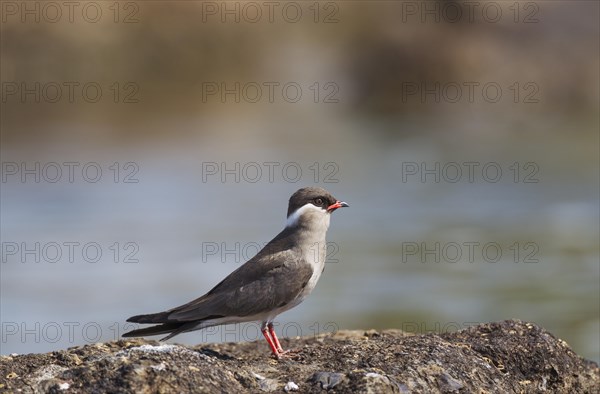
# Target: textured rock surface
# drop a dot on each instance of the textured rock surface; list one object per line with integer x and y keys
{"x": 503, "y": 357}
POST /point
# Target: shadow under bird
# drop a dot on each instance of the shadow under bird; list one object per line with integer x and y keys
{"x": 278, "y": 278}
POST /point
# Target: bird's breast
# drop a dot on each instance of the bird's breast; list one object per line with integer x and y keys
{"x": 314, "y": 254}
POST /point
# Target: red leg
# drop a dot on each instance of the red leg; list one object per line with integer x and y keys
{"x": 274, "y": 348}
{"x": 275, "y": 339}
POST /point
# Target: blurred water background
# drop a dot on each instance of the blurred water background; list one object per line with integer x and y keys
{"x": 196, "y": 172}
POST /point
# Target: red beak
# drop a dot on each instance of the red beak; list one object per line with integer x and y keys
{"x": 336, "y": 205}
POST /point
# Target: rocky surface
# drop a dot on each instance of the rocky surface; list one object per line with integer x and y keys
{"x": 504, "y": 357}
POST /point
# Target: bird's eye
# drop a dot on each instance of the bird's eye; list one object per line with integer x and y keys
{"x": 318, "y": 201}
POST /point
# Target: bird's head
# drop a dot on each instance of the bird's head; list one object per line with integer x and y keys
{"x": 311, "y": 206}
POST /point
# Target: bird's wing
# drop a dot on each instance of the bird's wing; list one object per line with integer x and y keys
{"x": 264, "y": 283}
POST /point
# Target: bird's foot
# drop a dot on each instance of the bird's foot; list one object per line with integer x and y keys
{"x": 287, "y": 354}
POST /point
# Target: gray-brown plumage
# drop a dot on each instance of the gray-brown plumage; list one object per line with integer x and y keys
{"x": 278, "y": 278}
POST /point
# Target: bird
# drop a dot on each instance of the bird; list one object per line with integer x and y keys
{"x": 279, "y": 277}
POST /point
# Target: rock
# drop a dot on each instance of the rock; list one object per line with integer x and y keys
{"x": 508, "y": 357}
{"x": 327, "y": 380}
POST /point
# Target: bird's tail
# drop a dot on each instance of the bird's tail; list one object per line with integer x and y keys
{"x": 173, "y": 328}
{"x": 164, "y": 326}
{"x": 161, "y": 317}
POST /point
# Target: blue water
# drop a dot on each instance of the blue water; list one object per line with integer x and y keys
{"x": 393, "y": 256}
